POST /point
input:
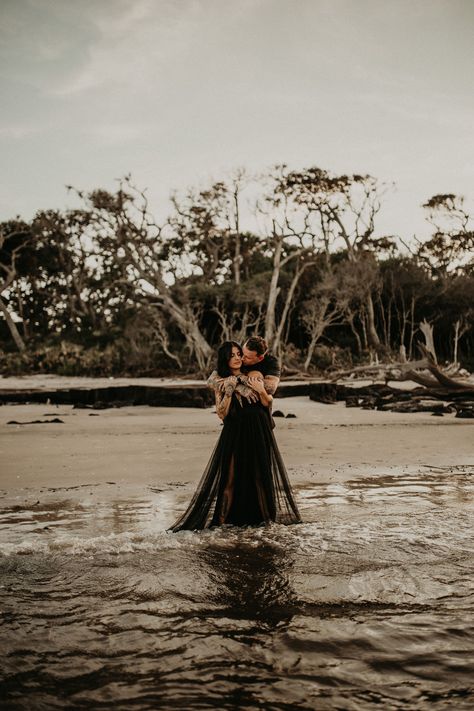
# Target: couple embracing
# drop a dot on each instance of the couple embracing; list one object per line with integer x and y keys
{"x": 245, "y": 481}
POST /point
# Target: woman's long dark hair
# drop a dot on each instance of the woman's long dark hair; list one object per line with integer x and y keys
{"x": 224, "y": 354}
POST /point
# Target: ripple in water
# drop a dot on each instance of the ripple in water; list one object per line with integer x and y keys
{"x": 368, "y": 604}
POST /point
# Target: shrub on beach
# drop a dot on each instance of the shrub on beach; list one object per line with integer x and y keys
{"x": 64, "y": 359}
{"x": 71, "y": 359}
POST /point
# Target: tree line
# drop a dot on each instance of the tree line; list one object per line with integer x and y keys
{"x": 293, "y": 255}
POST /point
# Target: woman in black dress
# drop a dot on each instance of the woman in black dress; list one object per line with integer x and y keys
{"x": 245, "y": 481}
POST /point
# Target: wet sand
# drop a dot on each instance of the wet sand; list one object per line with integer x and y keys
{"x": 135, "y": 447}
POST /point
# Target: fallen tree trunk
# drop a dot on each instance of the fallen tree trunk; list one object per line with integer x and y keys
{"x": 448, "y": 382}
{"x": 441, "y": 377}
{"x": 403, "y": 367}
{"x": 428, "y": 381}
{"x": 402, "y": 372}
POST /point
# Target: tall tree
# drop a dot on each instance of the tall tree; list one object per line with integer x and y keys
{"x": 15, "y": 237}
{"x": 451, "y": 247}
{"x": 345, "y": 208}
{"x": 290, "y": 242}
{"x": 128, "y": 236}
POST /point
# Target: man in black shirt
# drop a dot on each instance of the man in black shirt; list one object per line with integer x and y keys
{"x": 257, "y": 357}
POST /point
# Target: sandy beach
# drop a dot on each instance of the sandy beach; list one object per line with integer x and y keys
{"x": 135, "y": 447}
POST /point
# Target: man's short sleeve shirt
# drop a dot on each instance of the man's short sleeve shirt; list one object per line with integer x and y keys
{"x": 268, "y": 366}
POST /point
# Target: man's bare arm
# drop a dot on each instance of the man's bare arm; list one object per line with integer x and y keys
{"x": 271, "y": 383}
{"x": 259, "y": 386}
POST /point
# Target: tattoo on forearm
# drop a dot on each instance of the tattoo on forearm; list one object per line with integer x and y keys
{"x": 222, "y": 405}
{"x": 214, "y": 380}
{"x": 241, "y": 389}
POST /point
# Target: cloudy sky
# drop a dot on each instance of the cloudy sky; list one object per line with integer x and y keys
{"x": 181, "y": 91}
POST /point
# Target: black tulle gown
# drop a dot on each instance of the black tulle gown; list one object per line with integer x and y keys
{"x": 247, "y": 451}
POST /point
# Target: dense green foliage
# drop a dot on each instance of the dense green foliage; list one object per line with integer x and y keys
{"x": 108, "y": 290}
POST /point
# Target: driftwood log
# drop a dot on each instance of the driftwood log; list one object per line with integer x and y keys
{"x": 439, "y": 401}
{"x": 380, "y": 369}
{"x": 439, "y": 393}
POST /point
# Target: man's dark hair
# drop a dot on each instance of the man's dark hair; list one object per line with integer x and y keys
{"x": 258, "y": 344}
{"x": 224, "y": 354}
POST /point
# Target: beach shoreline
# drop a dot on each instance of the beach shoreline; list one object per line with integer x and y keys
{"x": 138, "y": 447}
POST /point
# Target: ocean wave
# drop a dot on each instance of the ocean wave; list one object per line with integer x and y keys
{"x": 224, "y": 537}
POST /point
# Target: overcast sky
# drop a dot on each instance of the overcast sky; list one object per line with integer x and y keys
{"x": 181, "y": 91}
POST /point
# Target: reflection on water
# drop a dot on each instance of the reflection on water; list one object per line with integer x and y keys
{"x": 369, "y": 603}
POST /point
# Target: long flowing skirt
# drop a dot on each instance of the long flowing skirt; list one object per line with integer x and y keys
{"x": 245, "y": 481}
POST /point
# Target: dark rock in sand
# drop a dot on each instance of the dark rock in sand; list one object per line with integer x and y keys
{"x": 465, "y": 413}
{"x": 54, "y": 421}
{"x": 278, "y": 413}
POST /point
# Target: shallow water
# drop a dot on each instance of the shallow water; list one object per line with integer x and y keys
{"x": 368, "y": 604}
